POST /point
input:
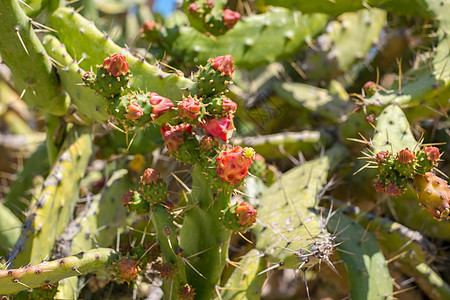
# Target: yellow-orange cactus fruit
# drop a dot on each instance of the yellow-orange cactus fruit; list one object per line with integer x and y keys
{"x": 434, "y": 194}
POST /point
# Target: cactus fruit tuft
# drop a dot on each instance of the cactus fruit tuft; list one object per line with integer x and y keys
{"x": 186, "y": 292}
{"x": 125, "y": 269}
{"x": 240, "y": 216}
{"x": 220, "y": 105}
{"x": 233, "y": 165}
{"x": 223, "y": 64}
{"x": 134, "y": 111}
{"x": 434, "y": 194}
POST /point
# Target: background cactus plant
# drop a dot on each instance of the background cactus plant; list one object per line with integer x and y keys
{"x": 225, "y": 151}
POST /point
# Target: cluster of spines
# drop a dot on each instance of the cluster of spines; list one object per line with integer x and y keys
{"x": 396, "y": 169}
{"x": 203, "y": 19}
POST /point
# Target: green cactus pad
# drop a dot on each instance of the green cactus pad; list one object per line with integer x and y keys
{"x": 393, "y": 131}
{"x": 15, "y": 280}
{"x": 288, "y": 226}
{"x": 26, "y": 57}
{"x": 245, "y": 283}
{"x": 51, "y": 210}
{"x": 86, "y": 100}
{"x": 364, "y": 263}
{"x": 255, "y": 41}
{"x": 83, "y": 39}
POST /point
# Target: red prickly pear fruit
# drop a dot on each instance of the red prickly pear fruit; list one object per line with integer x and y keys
{"x": 406, "y": 156}
{"x": 223, "y": 64}
{"x": 174, "y": 136}
{"x": 116, "y": 65}
{"x": 230, "y": 18}
{"x": 153, "y": 188}
{"x": 150, "y": 176}
{"x": 189, "y": 108}
{"x": 166, "y": 270}
{"x": 240, "y": 216}
{"x": 434, "y": 194}
{"x": 135, "y": 203}
{"x": 221, "y": 128}
{"x": 125, "y": 269}
{"x": 161, "y": 105}
{"x": 186, "y": 292}
{"x": 233, "y": 165}
{"x": 134, "y": 111}
{"x": 370, "y": 88}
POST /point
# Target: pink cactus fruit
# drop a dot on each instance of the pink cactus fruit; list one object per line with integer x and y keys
{"x": 150, "y": 176}
{"x": 189, "y": 108}
{"x": 116, "y": 65}
{"x": 370, "y": 88}
{"x": 150, "y": 26}
{"x": 406, "y": 156}
{"x": 233, "y": 165}
{"x": 230, "y": 18}
{"x": 223, "y": 64}
{"x": 174, "y": 136}
{"x": 134, "y": 111}
{"x": 193, "y": 8}
{"x": 432, "y": 153}
{"x": 246, "y": 214}
{"x": 221, "y": 128}
{"x": 161, "y": 105}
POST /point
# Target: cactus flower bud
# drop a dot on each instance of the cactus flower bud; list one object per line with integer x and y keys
{"x": 230, "y": 18}
{"x": 189, "y": 108}
{"x": 223, "y": 64}
{"x": 174, "y": 135}
{"x": 186, "y": 292}
{"x": 406, "y": 156}
{"x": 193, "y": 8}
{"x": 432, "y": 153}
{"x": 370, "y": 88}
{"x": 233, "y": 165}
{"x": 381, "y": 157}
{"x": 116, "y": 65}
{"x": 150, "y": 176}
{"x": 161, "y": 105}
{"x": 246, "y": 214}
{"x": 393, "y": 190}
{"x": 379, "y": 187}
{"x": 221, "y": 128}
{"x": 125, "y": 270}
{"x": 134, "y": 111}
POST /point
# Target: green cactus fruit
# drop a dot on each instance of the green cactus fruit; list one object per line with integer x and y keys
{"x": 186, "y": 292}
{"x": 215, "y": 76}
{"x": 180, "y": 142}
{"x": 113, "y": 76}
{"x": 258, "y": 167}
{"x": 434, "y": 194}
{"x": 219, "y": 105}
{"x": 427, "y": 159}
{"x": 125, "y": 269}
{"x": 153, "y": 188}
{"x": 239, "y": 216}
{"x": 370, "y": 88}
{"x": 135, "y": 203}
{"x": 150, "y": 31}
{"x": 233, "y": 164}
